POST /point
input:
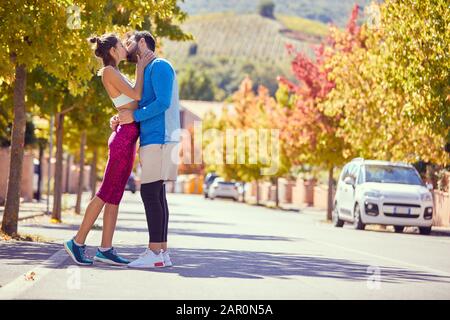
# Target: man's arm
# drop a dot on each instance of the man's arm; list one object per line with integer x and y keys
{"x": 162, "y": 81}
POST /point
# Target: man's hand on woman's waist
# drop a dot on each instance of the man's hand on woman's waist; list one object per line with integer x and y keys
{"x": 114, "y": 122}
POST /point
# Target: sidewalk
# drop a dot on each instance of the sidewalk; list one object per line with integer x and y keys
{"x": 29, "y": 210}
{"x": 34, "y": 209}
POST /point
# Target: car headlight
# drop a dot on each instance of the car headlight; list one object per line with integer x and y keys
{"x": 373, "y": 194}
{"x": 426, "y": 197}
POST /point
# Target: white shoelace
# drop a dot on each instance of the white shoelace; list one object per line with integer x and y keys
{"x": 147, "y": 250}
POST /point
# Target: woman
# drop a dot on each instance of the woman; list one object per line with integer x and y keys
{"x": 122, "y": 150}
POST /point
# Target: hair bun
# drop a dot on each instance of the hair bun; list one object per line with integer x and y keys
{"x": 94, "y": 39}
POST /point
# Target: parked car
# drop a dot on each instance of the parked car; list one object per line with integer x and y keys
{"x": 225, "y": 189}
{"x": 209, "y": 179}
{"x": 131, "y": 184}
{"x": 384, "y": 193}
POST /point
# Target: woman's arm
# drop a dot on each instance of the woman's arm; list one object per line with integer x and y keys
{"x": 113, "y": 77}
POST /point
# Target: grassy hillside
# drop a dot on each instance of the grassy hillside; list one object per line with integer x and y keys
{"x": 229, "y": 46}
{"x": 336, "y": 11}
{"x": 302, "y": 25}
{"x": 244, "y": 36}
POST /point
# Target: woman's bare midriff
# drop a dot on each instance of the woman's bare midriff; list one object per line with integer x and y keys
{"x": 127, "y": 108}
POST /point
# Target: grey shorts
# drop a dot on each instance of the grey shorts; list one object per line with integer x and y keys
{"x": 159, "y": 162}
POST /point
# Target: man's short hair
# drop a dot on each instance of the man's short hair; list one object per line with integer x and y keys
{"x": 149, "y": 39}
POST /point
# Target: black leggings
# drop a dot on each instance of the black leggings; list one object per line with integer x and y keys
{"x": 153, "y": 195}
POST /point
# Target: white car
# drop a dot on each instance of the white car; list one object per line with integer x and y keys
{"x": 384, "y": 193}
{"x": 224, "y": 189}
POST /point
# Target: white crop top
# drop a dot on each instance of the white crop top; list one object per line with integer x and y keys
{"x": 122, "y": 99}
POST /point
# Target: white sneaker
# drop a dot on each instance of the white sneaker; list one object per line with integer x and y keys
{"x": 167, "y": 261}
{"x": 148, "y": 259}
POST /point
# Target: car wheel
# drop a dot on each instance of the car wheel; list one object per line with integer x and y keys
{"x": 338, "y": 223}
{"x": 357, "y": 223}
{"x": 206, "y": 195}
{"x": 399, "y": 229}
{"x": 425, "y": 230}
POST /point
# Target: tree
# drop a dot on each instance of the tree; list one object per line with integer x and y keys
{"x": 414, "y": 36}
{"x": 81, "y": 174}
{"x": 226, "y": 75}
{"x": 65, "y": 54}
{"x": 196, "y": 85}
{"x": 374, "y": 96}
{"x": 250, "y": 121}
{"x": 309, "y": 134}
{"x": 266, "y": 9}
{"x": 24, "y": 45}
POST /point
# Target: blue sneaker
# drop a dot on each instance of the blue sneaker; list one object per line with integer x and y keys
{"x": 111, "y": 257}
{"x": 77, "y": 253}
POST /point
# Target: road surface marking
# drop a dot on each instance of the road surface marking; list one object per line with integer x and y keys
{"x": 445, "y": 273}
{"x": 20, "y": 285}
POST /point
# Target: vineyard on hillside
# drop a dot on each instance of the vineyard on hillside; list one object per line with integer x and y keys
{"x": 325, "y": 11}
{"x": 236, "y": 36}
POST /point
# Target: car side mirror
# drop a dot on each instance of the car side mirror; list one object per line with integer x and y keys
{"x": 430, "y": 186}
{"x": 349, "y": 180}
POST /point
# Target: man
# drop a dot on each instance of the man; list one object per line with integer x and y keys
{"x": 158, "y": 115}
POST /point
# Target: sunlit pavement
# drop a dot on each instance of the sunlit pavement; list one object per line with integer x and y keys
{"x": 227, "y": 250}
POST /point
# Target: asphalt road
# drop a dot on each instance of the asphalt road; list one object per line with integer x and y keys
{"x": 227, "y": 250}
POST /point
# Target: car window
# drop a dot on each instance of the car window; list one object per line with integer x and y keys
{"x": 210, "y": 178}
{"x": 392, "y": 174}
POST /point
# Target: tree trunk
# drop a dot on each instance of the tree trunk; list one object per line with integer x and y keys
{"x": 56, "y": 214}
{"x": 81, "y": 176}
{"x": 330, "y": 194}
{"x": 12, "y": 205}
{"x": 68, "y": 165}
{"x": 39, "y": 183}
{"x": 94, "y": 174}
{"x": 50, "y": 154}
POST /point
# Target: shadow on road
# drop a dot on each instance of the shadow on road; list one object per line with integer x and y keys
{"x": 257, "y": 265}
{"x": 181, "y": 232}
{"x": 209, "y": 263}
{"x": 23, "y": 252}
{"x": 172, "y": 221}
